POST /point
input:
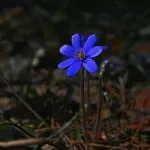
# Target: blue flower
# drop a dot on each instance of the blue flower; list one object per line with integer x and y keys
{"x": 80, "y": 55}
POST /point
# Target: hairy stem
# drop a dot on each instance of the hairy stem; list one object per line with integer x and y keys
{"x": 99, "y": 108}
{"x": 88, "y": 89}
{"x": 82, "y": 106}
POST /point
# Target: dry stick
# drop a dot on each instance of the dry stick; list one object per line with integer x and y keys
{"x": 27, "y": 142}
{"x": 33, "y": 141}
{"x": 30, "y": 109}
{"x": 137, "y": 130}
{"x": 23, "y": 142}
{"x": 82, "y": 106}
{"x": 65, "y": 127}
{"x": 18, "y": 128}
{"x": 96, "y": 145}
{"x": 122, "y": 91}
{"x": 24, "y": 102}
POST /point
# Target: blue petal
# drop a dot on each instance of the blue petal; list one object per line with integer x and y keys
{"x": 74, "y": 68}
{"x": 67, "y": 50}
{"x": 76, "y": 42}
{"x": 66, "y": 63}
{"x": 90, "y": 65}
{"x": 95, "y": 51}
{"x": 83, "y": 39}
{"x": 89, "y": 43}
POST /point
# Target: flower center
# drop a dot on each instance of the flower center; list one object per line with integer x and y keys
{"x": 80, "y": 55}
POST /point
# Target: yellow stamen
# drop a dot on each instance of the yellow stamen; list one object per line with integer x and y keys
{"x": 80, "y": 55}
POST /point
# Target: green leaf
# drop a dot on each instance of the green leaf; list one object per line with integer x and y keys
{"x": 77, "y": 135}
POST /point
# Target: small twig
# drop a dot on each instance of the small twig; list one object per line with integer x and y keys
{"x": 66, "y": 140}
{"x": 30, "y": 109}
{"x": 33, "y": 141}
{"x": 137, "y": 130}
{"x": 18, "y": 128}
{"x": 64, "y": 127}
{"x": 24, "y": 102}
{"x": 111, "y": 91}
{"x": 106, "y": 146}
{"x": 142, "y": 145}
{"x": 99, "y": 145}
{"x": 122, "y": 91}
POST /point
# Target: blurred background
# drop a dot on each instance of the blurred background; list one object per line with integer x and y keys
{"x": 31, "y": 33}
{"x": 30, "y": 28}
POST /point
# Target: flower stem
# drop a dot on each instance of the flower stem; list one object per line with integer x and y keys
{"x": 82, "y": 107}
{"x": 99, "y": 108}
{"x": 88, "y": 89}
